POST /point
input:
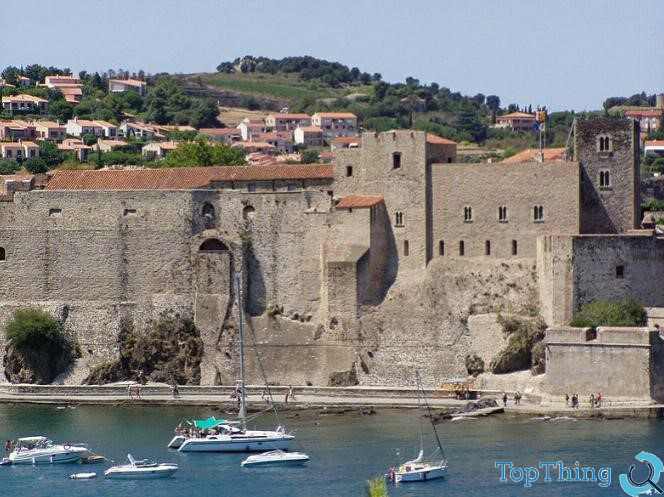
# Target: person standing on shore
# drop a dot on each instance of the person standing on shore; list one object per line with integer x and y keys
{"x": 566, "y": 400}
{"x": 291, "y": 394}
{"x": 130, "y": 394}
{"x": 592, "y": 400}
{"x": 138, "y": 391}
{"x": 504, "y": 399}
{"x": 598, "y": 400}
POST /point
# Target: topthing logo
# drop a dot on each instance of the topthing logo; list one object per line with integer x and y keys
{"x": 655, "y": 469}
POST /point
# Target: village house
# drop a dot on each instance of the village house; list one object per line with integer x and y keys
{"x": 16, "y": 130}
{"x": 81, "y": 127}
{"x": 249, "y": 127}
{"x": 50, "y": 130}
{"x": 251, "y": 147}
{"x": 158, "y": 150}
{"x": 281, "y": 140}
{"x": 516, "y": 121}
{"x": 653, "y": 147}
{"x": 19, "y": 150}
{"x": 286, "y": 122}
{"x": 70, "y": 86}
{"x": 124, "y": 85}
{"x": 79, "y": 149}
{"x": 109, "y": 145}
{"x": 222, "y": 135}
{"x": 259, "y": 159}
{"x": 309, "y": 136}
{"x": 145, "y": 131}
{"x": 335, "y": 124}
{"x": 4, "y": 84}
{"x": 650, "y": 119}
{"x": 25, "y": 103}
{"x": 24, "y": 82}
{"x": 345, "y": 142}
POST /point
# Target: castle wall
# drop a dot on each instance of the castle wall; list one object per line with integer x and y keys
{"x": 621, "y": 363}
{"x": 403, "y": 188}
{"x": 578, "y": 270}
{"x": 486, "y": 187}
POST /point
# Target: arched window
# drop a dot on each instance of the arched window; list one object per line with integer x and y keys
{"x": 604, "y": 179}
{"x": 248, "y": 212}
{"x": 538, "y": 213}
{"x": 398, "y": 218}
{"x": 213, "y": 245}
{"x": 207, "y": 210}
{"x": 467, "y": 214}
{"x": 502, "y": 213}
{"x": 2, "y": 254}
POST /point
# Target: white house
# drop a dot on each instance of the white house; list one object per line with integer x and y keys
{"x": 124, "y": 85}
{"x": 24, "y": 103}
{"x": 335, "y": 124}
{"x": 309, "y": 136}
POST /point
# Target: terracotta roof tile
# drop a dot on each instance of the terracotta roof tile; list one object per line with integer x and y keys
{"x": 517, "y": 115}
{"x": 220, "y": 131}
{"x": 645, "y": 113}
{"x": 336, "y": 115}
{"x": 654, "y": 143}
{"x": 347, "y": 139}
{"x": 359, "y": 201}
{"x": 528, "y": 155}
{"x": 435, "y": 139}
{"x": 181, "y": 178}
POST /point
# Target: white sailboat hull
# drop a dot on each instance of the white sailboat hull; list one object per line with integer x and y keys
{"x": 224, "y": 443}
{"x": 276, "y": 457}
{"x": 421, "y": 474}
{"x": 132, "y": 473}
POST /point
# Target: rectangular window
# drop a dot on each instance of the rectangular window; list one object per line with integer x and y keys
{"x": 251, "y": 187}
{"x": 515, "y": 247}
{"x": 130, "y": 212}
{"x": 502, "y": 214}
{"x": 441, "y": 247}
{"x": 349, "y": 171}
{"x": 405, "y": 247}
{"x": 487, "y": 247}
{"x": 620, "y": 272}
{"x": 468, "y": 214}
{"x": 55, "y": 212}
{"x": 538, "y": 213}
{"x": 398, "y": 219}
{"x": 462, "y": 248}
{"x": 396, "y": 160}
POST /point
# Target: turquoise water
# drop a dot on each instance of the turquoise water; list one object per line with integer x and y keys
{"x": 345, "y": 451}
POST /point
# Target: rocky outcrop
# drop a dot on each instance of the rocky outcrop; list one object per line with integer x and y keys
{"x": 344, "y": 378}
{"x": 523, "y": 335}
{"x": 169, "y": 351}
{"x": 474, "y": 364}
{"x": 38, "y": 364}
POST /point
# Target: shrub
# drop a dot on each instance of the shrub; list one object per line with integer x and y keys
{"x": 309, "y": 156}
{"x": 474, "y": 364}
{"x": 33, "y": 327}
{"x": 35, "y": 165}
{"x": 8, "y": 166}
{"x": 604, "y": 313}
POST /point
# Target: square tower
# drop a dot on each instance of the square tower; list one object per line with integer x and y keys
{"x": 608, "y": 151}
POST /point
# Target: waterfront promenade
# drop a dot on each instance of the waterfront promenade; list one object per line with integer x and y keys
{"x": 340, "y": 398}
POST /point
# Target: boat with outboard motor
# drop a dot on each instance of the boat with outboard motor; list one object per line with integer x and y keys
{"x": 275, "y": 457}
{"x": 213, "y": 435}
{"x": 421, "y": 469}
{"x": 140, "y": 470}
{"x": 41, "y": 450}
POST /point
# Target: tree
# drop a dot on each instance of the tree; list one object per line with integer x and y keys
{"x": 49, "y": 153}
{"x": 61, "y": 110}
{"x": 89, "y": 139}
{"x": 309, "y": 156}
{"x": 467, "y": 120}
{"x": 35, "y": 165}
{"x": 204, "y": 115}
{"x": 9, "y": 166}
{"x": 33, "y": 327}
{"x": 200, "y": 153}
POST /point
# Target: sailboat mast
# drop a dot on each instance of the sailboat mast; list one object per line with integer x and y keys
{"x": 433, "y": 424}
{"x": 419, "y": 412}
{"x": 243, "y": 408}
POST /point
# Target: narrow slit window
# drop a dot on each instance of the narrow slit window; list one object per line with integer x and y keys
{"x": 468, "y": 214}
{"x": 620, "y": 272}
{"x": 441, "y": 248}
{"x": 405, "y": 247}
{"x": 515, "y": 247}
{"x": 538, "y": 213}
{"x": 396, "y": 160}
{"x": 462, "y": 248}
{"x": 502, "y": 213}
{"x": 487, "y": 247}
{"x": 349, "y": 171}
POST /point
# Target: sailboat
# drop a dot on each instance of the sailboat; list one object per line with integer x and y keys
{"x": 234, "y": 436}
{"x": 421, "y": 468}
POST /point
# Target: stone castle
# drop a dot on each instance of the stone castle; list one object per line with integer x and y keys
{"x": 394, "y": 257}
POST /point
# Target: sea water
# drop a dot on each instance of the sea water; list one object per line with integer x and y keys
{"x": 346, "y": 450}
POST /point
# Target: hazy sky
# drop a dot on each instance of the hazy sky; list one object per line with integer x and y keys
{"x": 566, "y": 54}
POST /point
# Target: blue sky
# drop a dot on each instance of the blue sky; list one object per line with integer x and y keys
{"x": 566, "y": 54}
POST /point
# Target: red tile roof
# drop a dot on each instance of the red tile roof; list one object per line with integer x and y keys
{"x": 220, "y": 131}
{"x": 435, "y": 139}
{"x": 359, "y": 201}
{"x": 347, "y": 139}
{"x": 336, "y": 115}
{"x": 181, "y": 178}
{"x": 517, "y": 115}
{"x": 654, "y": 143}
{"x": 645, "y": 113}
{"x": 528, "y": 155}
{"x": 284, "y": 115}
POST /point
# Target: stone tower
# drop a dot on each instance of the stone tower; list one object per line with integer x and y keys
{"x": 608, "y": 152}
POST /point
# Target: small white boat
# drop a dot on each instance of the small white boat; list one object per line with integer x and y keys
{"x": 41, "y": 450}
{"x": 83, "y": 476}
{"x": 141, "y": 470}
{"x": 5, "y": 461}
{"x": 276, "y": 457}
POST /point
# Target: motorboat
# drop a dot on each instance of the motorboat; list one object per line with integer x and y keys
{"x": 421, "y": 469}
{"x": 238, "y": 439}
{"x": 276, "y": 457}
{"x": 83, "y": 476}
{"x": 234, "y": 436}
{"x": 41, "y": 450}
{"x": 140, "y": 470}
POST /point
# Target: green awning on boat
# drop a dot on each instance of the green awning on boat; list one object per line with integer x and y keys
{"x": 206, "y": 424}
